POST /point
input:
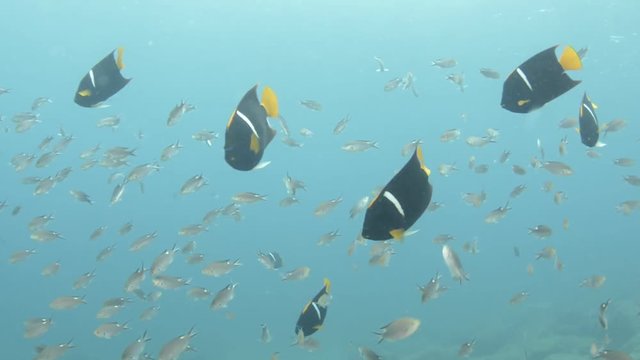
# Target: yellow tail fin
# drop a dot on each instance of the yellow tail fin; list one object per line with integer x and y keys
{"x": 119, "y": 61}
{"x": 270, "y": 102}
{"x": 421, "y": 159}
{"x": 327, "y": 285}
{"x": 569, "y": 60}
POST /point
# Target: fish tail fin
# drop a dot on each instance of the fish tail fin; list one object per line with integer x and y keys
{"x": 327, "y": 285}
{"x": 270, "y": 102}
{"x": 119, "y": 60}
{"x": 380, "y": 335}
{"x": 569, "y": 60}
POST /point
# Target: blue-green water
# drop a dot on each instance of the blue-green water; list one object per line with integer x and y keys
{"x": 210, "y": 53}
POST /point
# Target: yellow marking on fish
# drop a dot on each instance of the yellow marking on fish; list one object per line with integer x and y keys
{"x": 119, "y": 61}
{"x": 569, "y": 60}
{"x": 374, "y": 200}
{"x": 327, "y": 285}
{"x": 397, "y": 234}
{"x": 304, "y": 310}
{"x": 84, "y": 93}
{"x": 230, "y": 119}
{"x": 421, "y": 159}
{"x": 523, "y": 102}
{"x": 270, "y": 102}
{"x": 255, "y": 144}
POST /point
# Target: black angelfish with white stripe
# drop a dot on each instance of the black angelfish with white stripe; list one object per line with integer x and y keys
{"x": 539, "y": 80}
{"x": 102, "y": 81}
{"x": 589, "y": 130}
{"x": 400, "y": 203}
{"x": 314, "y": 312}
{"x": 248, "y": 131}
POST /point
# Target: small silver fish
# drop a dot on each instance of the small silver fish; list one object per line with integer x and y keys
{"x": 490, "y": 73}
{"x": 265, "y": 334}
{"x": 359, "y": 145}
{"x": 178, "y": 111}
{"x": 300, "y": 273}
{"x": 205, "y": 136}
{"x": 325, "y": 207}
{"x": 444, "y": 63}
{"x": 457, "y": 79}
{"x": 453, "y": 263}
{"x": 221, "y": 267}
{"x": 311, "y": 105}
{"x": 193, "y": 184}
{"x": 341, "y": 125}
{"x": 110, "y": 330}
{"x": 223, "y": 297}
{"x": 432, "y": 289}
{"x": 398, "y": 329}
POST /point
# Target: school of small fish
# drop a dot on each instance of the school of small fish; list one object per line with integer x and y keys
{"x": 52, "y": 169}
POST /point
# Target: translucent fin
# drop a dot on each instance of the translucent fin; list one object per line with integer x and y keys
{"x": 255, "y": 143}
{"x": 569, "y": 60}
{"x": 119, "y": 61}
{"x": 271, "y": 133}
{"x": 270, "y": 102}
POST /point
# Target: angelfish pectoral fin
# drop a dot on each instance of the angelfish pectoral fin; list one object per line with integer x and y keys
{"x": 255, "y": 144}
{"x": 397, "y": 234}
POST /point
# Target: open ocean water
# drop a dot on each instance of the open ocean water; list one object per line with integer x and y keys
{"x": 209, "y": 53}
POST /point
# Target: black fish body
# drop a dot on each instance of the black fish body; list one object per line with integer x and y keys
{"x": 314, "y": 313}
{"x": 400, "y": 203}
{"x": 539, "y": 80}
{"x": 589, "y": 130}
{"x": 248, "y": 133}
{"x": 102, "y": 81}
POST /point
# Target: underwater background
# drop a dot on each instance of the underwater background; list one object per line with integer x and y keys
{"x": 209, "y": 53}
